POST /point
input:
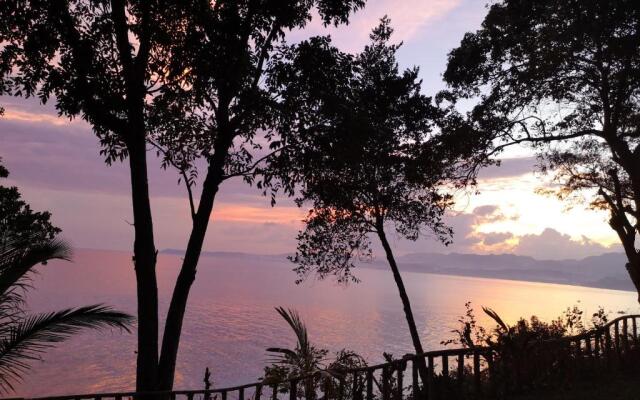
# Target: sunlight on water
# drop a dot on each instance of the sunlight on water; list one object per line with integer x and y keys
{"x": 230, "y": 318}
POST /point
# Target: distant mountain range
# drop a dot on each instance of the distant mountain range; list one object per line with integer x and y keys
{"x": 603, "y": 271}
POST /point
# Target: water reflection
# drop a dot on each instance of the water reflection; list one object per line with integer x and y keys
{"x": 230, "y": 318}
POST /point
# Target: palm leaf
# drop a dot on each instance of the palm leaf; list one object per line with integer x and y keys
{"x": 29, "y": 338}
{"x": 297, "y": 325}
{"x": 494, "y": 315}
{"x": 17, "y": 259}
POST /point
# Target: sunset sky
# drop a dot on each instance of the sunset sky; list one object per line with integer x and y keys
{"x": 56, "y": 164}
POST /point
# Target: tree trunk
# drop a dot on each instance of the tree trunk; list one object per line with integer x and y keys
{"x": 415, "y": 337}
{"x": 627, "y": 235}
{"x": 175, "y": 315}
{"x": 633, "y": 268}
{"x": 145, "y": 268}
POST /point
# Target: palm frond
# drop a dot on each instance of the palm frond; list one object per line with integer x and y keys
{"x": 297, "y": 325}
{"x": 29, "y": 338}
{"x": 494, "y": 315}
{"x": 17, "y": 259}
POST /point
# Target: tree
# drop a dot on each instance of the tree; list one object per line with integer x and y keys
{"x": 28, "y": 239}
{"x": 18, "y": 221}
{"x": 184, "y": 77}
{"x": 564, "y": 77}
{"x": 367, "y": 156}
{"x": 306, "y": 359}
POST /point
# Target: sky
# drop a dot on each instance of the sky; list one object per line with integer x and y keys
{"x": 56, "y": 164}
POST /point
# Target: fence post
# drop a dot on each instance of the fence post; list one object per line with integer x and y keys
{"x": 327, "y": 388}
{"x": 355, "y": 392}
{"x": 386, "y": 392}
{"x": 607, "y": 342}
{"x": 369, "y": 384}
{"x": 431, "y": 390}
{"x": 476, "y": 373}
{"x": 399, "y": 383}
{"x": 445, "y": 366}
{"x": 616, "y": 337}
{"x": 293, "y": 389}
{"x": 625, "y": 335}
{"x": 414, "y": 379}
{"x": 460, "y": 367}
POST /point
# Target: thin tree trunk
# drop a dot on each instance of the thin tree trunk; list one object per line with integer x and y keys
{"x": 145, "y": 268}
{"x": 415, "y": 337}
{"x": 177, "y": 307}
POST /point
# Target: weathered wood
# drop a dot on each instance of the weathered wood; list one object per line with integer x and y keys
{"x": 223, "y": 394}
{"x": 258, "y": 393}
{"x": 241, "y": 394}
{"x": 597, "y": 345}
{"x": 190, "y": 396}
{"x": 460, "y": 367}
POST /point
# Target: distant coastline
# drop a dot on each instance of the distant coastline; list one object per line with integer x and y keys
{"x": 606, "y": 271}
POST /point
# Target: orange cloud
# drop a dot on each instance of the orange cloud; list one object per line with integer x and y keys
{"x": 244, "y": 213}
{"x": 22, "y": 116}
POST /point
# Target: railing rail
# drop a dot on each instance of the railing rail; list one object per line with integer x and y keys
{"x": 386, "y": 381}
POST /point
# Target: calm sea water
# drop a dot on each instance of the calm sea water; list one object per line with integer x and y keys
{"x": 231, "y": 319}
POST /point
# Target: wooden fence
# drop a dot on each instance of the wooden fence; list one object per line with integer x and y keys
{"x": 452, "y": 373}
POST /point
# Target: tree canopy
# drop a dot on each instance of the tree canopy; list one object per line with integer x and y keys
{"x": 18, "y": 222}
{"x": 563, "y": 76}
{"x": 367, "y": 154}
{"x": 183, "y": 77}
{"x": 366, "y": 150}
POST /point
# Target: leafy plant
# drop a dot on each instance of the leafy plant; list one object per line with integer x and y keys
{"x": 28, "y": 240}
{"x": 308, "y": 360}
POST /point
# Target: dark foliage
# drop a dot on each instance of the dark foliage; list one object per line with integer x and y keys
{"x": 563, "y": 76}
{"x": 185, "y": 78}
{"x": 366, "y": 153}
{"x": 18, "y": 221}
{"x": 365, "y": 150}
{"x": 532, "y": 354}
{"x": 310, "y": 362}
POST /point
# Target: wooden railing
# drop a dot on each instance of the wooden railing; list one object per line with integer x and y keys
{"x": 452, "y": 373}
